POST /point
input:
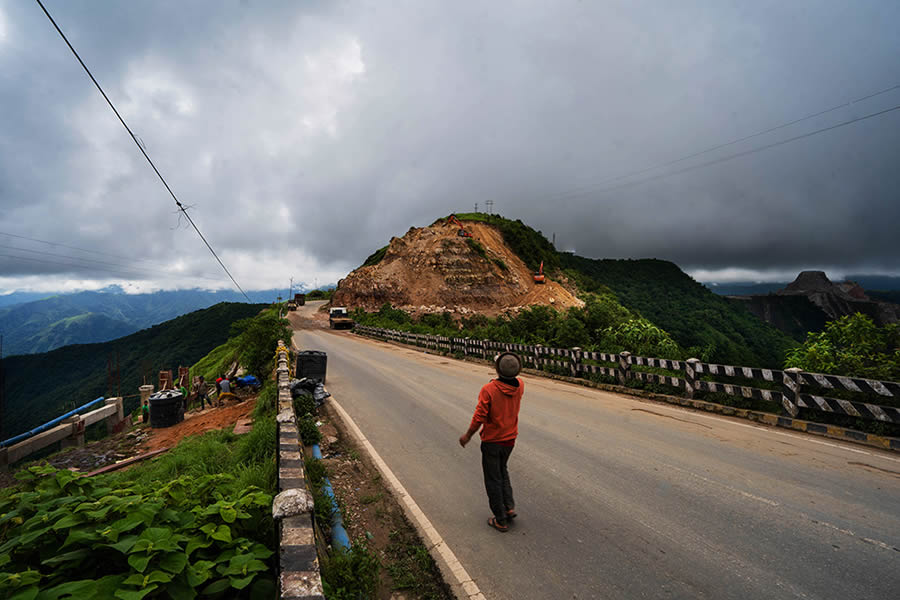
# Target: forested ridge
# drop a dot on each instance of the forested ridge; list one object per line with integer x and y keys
{"x": 661, "y": 292}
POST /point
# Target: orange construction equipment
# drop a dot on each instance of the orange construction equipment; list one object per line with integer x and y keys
{"x": 462, "y": 232}
{"x": 539, "y": 276}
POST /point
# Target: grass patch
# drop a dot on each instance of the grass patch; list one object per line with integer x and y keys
{"x": 218, "y": 361}
{"x": 267, "y": 401}
{"x": 351, "y": 575}
{"x": 371, "y": 498}
{"x": 373, "y": 259}
{"x": 411, "y": 567}
{"x": 477, "y": 247}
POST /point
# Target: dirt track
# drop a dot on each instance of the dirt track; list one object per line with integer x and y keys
{"x": 198, "y": 422}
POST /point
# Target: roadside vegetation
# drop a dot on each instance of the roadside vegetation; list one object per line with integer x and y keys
{"x": 195, "y": 522}
{"x": 852, "y": 345}
{"x": 385, "y": 555}
{"x": 602, "y": 325}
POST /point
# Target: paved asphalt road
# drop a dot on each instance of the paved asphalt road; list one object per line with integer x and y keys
{"x": 620, "y": 498}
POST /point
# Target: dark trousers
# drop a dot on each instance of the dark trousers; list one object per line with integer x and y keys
{"x": 496, "y": 478}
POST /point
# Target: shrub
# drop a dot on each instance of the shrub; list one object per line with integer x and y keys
{"x": 309, "y": 433}
{"x": 258, "y": 337}
{"x": 179, "y": 526}
{"x": 852, "y": 345}
{"x": 352, "y": 574}
{"x": 304, "y": 404}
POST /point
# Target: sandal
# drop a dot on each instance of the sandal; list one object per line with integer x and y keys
{"x": 511, "y": 514}
{"x": 492, "y": 522}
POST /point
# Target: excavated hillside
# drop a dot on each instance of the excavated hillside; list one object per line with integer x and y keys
{"x": 432, "y": 269}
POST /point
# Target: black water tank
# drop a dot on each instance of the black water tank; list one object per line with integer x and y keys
{"x": 312, "y": 365}
{"x": 166, "y": 408}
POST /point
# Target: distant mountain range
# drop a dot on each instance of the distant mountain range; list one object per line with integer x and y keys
{"x": 41, "y": 325}
{"x": 811, "y": 300}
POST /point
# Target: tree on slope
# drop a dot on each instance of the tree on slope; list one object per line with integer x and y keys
{"x": 852, "y": 345}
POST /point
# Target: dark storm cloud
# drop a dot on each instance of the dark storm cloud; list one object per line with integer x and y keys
{"x": 307, "y": 134}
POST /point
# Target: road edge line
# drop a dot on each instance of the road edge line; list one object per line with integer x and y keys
{"x": 465, "y": 587}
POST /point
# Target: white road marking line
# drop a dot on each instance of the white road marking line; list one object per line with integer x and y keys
{"x": 437, "y": 545}
{"x": 796, "y": 436}
{"x": 879, "y": 544}
{"x": 726, "y": 486}
{"x": 850, "y": 533}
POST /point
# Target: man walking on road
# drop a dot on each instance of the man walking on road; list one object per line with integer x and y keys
{"x": 498, "y": 412}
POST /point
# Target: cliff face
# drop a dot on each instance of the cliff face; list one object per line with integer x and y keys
{"x": 839, "y": 299}
{"x": 811, "y": 300}
{"x": 794, "y": 315}
{"x": 432, "y": 269}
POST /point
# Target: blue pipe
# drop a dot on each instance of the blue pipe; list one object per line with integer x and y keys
{"x": 49, "y": 424}
{"x": 339, "y": 535}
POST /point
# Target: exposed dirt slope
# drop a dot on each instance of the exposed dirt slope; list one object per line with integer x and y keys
{"x": 432, "y": 269}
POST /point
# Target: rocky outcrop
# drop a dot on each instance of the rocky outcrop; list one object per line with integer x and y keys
{"x": 432, "y": 269}
{"x": 839, "y": 299}
{"x": 810, "y": 301}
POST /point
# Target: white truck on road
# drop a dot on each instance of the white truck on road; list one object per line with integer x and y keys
{"x": 338, "y": 318}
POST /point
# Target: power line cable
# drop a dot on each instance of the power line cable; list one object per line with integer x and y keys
{"x": 742, "y": 153}
{"x": 574, "y": 192}
{"x": 128, "y": 258}
{"x": 121, "y": 272}
{"x": 86, "y": 261}
{"x": 141, "y": 148}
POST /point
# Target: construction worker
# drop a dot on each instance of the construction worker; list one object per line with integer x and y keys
{"x": 498, "y": 411}
{"x": 224, "y": 388}
{"x": 202, "y": 391}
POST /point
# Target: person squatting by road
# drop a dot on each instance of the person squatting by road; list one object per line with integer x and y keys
{"x": 498, "y": 412}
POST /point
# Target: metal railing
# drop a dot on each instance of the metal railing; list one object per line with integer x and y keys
{"x": 794, "y": 386}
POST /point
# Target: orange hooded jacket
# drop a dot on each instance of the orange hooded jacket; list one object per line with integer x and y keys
{"x": 498, "y": 411}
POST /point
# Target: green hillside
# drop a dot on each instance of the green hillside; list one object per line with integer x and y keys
{"x": 40, "y": 387}
{"x": 697, "y": 319}
{"x": 77, "y": 329}
{"x": 693, "y": 315}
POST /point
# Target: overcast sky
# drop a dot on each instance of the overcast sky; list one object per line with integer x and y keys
{"x": 306, "y": 134}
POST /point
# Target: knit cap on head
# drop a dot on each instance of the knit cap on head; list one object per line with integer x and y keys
{"x": 508, "y": 365}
